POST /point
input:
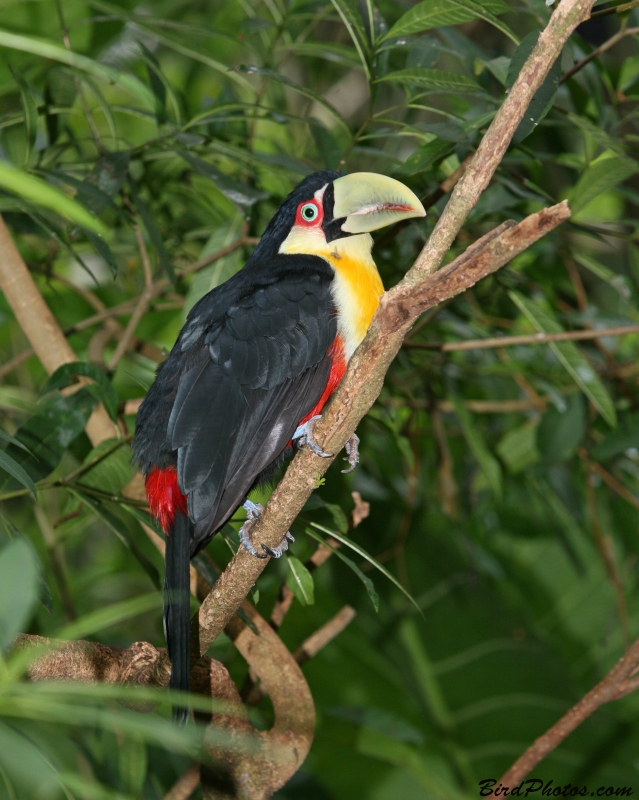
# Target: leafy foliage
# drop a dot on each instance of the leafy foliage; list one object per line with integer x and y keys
{"x": 141, "y": 143}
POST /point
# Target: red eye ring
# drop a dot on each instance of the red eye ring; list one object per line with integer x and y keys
{"x": 309, "y": 213}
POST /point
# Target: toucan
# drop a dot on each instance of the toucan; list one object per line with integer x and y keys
{"x": 252, "y": 369}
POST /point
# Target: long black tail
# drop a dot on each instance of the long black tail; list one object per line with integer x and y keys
{"x": 177, "y": 613}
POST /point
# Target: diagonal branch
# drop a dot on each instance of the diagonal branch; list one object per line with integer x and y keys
{"x": 363, "y": 382}
{"x": 398, "y": 310}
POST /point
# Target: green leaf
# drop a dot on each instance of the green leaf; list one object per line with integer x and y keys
{"x": 154, "y": 234}
{"x": 619, "y": 283}
{"x": 276, "y": 76}
{"x": 236, "y": 192}
{"x": 117, "y": 526}
{"x": 9, "y": 438}
{"x": 49, "y": 50}
{"x": 438, "y": 13}
{"x": 561, "y": 432}
{"x": 433, "y": 80}
{"x": 51, "y": 430}
{"x": 102, "y": 388}
{"x": 156, "y": 81}
{"x": 97, "y": 621}
{"x": 352, "y": 19}
{"x": 488, "y": 463}
{"x": 109, "y": 467}
{"x": 368, "y": 583}
{"x": 427, "y": 155}
{"x": 570, "y": 356}
{"x": 300, "y": 581}
{"x": 30, "y": 110}
{"x": 132, "y": 766}
{"x": 360, "y": 551}
{"x": 14, "y": 469}
{"x": 624, "y": 437}
{"x": 18, "y": 588}
{"x": 41, "y": 193}
{"x": 602, "y": 174}
{"x": 544, "y": 97}
{"x": 518, "y": 447}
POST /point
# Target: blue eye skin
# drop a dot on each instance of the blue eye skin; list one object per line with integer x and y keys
{"x": 309, "y": 212}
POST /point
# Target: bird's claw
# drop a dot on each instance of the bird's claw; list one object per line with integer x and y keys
{"x": 304, "y": 435}
{"x": 253, "y": 512}
{"x": 352, "y": 453}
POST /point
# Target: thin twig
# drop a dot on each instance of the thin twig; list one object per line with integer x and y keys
{"x": 599, "y": 51}
{"x": 159, "y": 287}
{"x": 615, "y": 9}
{"x": 360, "y": 511}
{"x": 615, "y": 685}
{"x": 606, "y": 550}
{"x": 184, "y": 787}
{"x": 512, "y": 341}
{"x": 129, "y": 331}
{"x": 324, "y": 635}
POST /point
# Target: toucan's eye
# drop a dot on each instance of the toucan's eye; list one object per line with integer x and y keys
{"x": 309, "y": 212}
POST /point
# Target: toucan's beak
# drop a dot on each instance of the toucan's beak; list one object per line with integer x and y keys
{"x": 370, "y": 201}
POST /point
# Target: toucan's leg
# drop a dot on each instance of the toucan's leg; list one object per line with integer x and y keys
{"x": 304, "y": 435}
{"x": 253, "y": 512}
{"x": 352, "y": 453}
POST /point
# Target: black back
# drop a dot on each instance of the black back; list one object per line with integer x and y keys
{"x": 249, "y": 364}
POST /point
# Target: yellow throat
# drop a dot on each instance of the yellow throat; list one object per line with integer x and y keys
{"x": 357, "y": 286}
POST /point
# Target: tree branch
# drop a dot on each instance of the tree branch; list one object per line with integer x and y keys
{"x": 512, "y": 341}
{"x": 398, "y": 310}
{"x": 615, "y": 685}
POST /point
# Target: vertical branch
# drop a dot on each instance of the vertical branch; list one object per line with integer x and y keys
{"x": 40, "y": 326}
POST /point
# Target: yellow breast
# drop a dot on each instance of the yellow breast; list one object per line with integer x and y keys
{"x": 357, "y": 286}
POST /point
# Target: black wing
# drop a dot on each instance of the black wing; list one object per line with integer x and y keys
{"x": 254, "y": 374}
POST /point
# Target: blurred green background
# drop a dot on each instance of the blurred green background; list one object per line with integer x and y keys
{"x": 190, "y": 120}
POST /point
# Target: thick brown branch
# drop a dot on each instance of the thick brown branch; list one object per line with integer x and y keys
{"x": 399, "y": 308}
{"x": 39, "y": 324}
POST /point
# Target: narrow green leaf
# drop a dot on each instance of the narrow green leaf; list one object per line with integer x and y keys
{"x": 368, "y": 583}
{"x": 544, "y": 97}
{"x": 360, "y": 551}
{"x": 50, "y": 431}
{"x": 300, "y": 581}
{"x": 18, "y": 588}
{"x": 570, "y": 356}
{"x": 156, "y": 81}
{"x": 619, "y": 283}
{"x": 237, "y": 192}
{"x": 116, "y": 526}
{"x": 15, "y": 470}
{"x": 154, "y": 234}
{"x": 49, "y": 50}
{"x": 30, "y": 110}
{"x": 602, "y": 174}
{"x": 9, "y": 438}
{"x": 433, "y": 80}
{"x": 43, "y": 194}
{"x": 352, "y": 19}
{"x": 427, "y": 155}
{"x": 488, "y": 463}
{"x": 108, "y": 467}
{"x": 63, "y": 376}
{"x": 276, "y": 76}
{"x": 438, "y": 13}
{"x": 97, "y": 621}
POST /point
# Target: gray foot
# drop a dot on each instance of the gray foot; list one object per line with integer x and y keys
{"x": 304, "y": 435}
{"x": 253, "y": 512}
{"x": 352, "y": 453}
